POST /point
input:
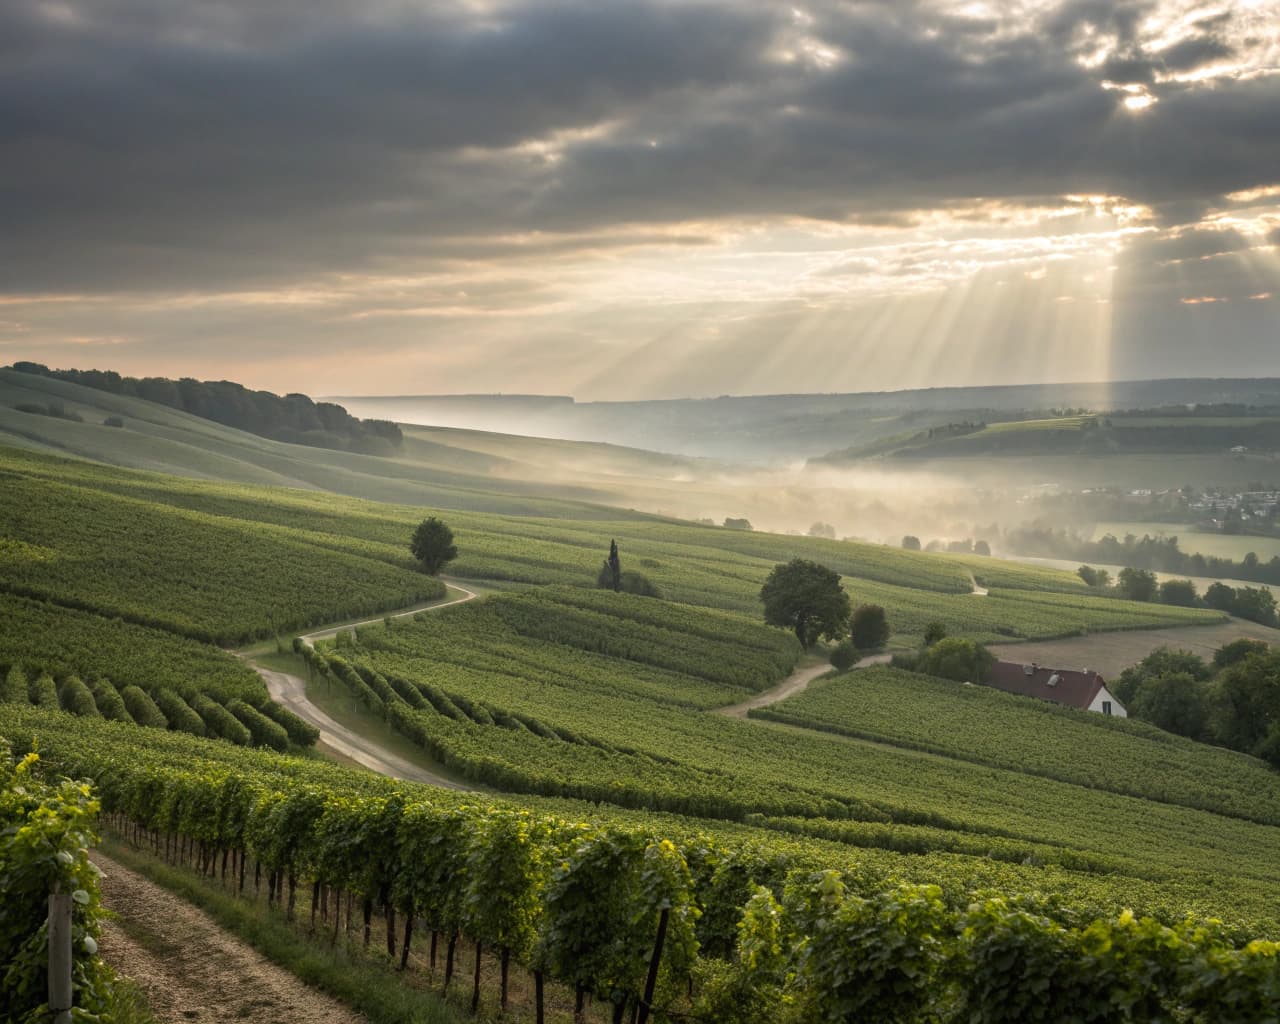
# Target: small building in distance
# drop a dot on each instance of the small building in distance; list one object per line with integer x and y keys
{"x": 1086, "y": 691}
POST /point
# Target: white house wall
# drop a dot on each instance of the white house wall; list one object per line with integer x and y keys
{"x": 1117, "y": 709}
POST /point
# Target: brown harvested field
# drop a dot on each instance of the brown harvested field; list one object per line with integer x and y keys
{"x": 1111, "y": 653}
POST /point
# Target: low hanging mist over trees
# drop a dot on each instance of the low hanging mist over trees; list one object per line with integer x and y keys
{"x": 1157, "y": 554}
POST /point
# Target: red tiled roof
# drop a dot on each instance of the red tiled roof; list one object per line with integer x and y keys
{"x": 1074, "y": 689}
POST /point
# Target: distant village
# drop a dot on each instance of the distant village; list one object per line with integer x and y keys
{"x": 1220, "y": 510}
{"x": 1224, "y": 511}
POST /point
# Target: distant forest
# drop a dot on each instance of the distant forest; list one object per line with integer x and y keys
{"x": 295, "y": 419}
{"x": 1159, "y": 554}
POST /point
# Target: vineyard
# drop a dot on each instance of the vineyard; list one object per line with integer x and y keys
{"x": 658, "y": 924}
{"x": 46, "y": 829}
{"x": 336, "y": 549}
{"x": 570, "y": 715}
{"x": 41, "y": 636}
{"x": 984, "y": 726}
{"x": 202, "y": 576}
{"x": 878, "y": 811}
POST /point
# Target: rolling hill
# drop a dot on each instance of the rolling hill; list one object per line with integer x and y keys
{"x": 584, "y": 716}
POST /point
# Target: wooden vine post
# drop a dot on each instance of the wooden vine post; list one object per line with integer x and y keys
{"x": 652, "y": 980}
{"x": 60, "y": 955}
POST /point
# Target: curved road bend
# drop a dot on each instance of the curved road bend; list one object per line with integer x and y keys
{"x": 324, "y": 634}
{"x": 797, "y": 682}
{"x": 291, "y": 692}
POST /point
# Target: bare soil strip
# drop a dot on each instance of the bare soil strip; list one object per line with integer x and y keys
{"x": 1112, "y": 653}
{"x": 193, "y": 970}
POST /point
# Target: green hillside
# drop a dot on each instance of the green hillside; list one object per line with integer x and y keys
{"x": 583, "y": 705}
{"x": 1099, "y": 434}
{"x": 962, "y": 721}
{"x": 638, "y": 741}
{"x": 692, "y": 564}
{"x": 425, "y": 470}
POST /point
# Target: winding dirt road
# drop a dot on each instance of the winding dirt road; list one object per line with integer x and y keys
{"x": 324, "y": 634}
{"x": 290, "y": 691}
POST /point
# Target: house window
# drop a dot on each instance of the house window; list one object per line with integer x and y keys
{"x": 1106, "y": 707}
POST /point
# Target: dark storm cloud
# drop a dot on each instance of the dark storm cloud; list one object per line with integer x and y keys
{"x": 152, "y": 145}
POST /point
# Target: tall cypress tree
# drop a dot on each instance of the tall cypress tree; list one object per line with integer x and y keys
{"x": 615, "y": 567}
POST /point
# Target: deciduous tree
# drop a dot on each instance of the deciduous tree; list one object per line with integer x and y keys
{"x": 1138, "y": 584}
{"x": 432, "y": 545}
{"x": 1177, "y": 703}
{"x": 1179, "y": 592}
{"x": 958, "y": 658}
{"x": 869, "y": 627}
{"x": 934, "y": 632}
{"x": 807, "y": 598}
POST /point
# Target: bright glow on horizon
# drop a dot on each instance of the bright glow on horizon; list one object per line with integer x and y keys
{"x": 647, "y": 199}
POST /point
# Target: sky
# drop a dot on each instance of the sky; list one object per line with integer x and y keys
{"x": 641, "y": 199}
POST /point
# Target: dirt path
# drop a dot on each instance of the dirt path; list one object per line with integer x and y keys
{"x": 324, "y": 634}
{"x": 290, "y": 691}
{"x": 977, "y": 591}
{"x": 193, "y": 970}
{"x": 798, "y": 681}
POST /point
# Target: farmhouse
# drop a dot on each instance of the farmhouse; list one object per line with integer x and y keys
{"x": 1084, "y": 690}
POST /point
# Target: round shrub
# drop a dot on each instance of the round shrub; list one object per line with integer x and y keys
{"x": 75, "y": 697}
{"x": 181, "y": 717}
{"x": 143, "y": 708}
{"x": 300, "y": 732}
{"x": 265, "y": 732}
{"x": 44, "y": 692}
{"x": 844, "y": 655}
{"x": 958, "y": 658}
{"x": 869, "y": 627}
{"x": 110, "y": 703}
{"x": 220, "y": 722}
{"x": 14, "y": 688}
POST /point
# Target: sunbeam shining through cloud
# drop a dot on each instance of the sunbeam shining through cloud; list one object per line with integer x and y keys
{"x": 656, "y": 198}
